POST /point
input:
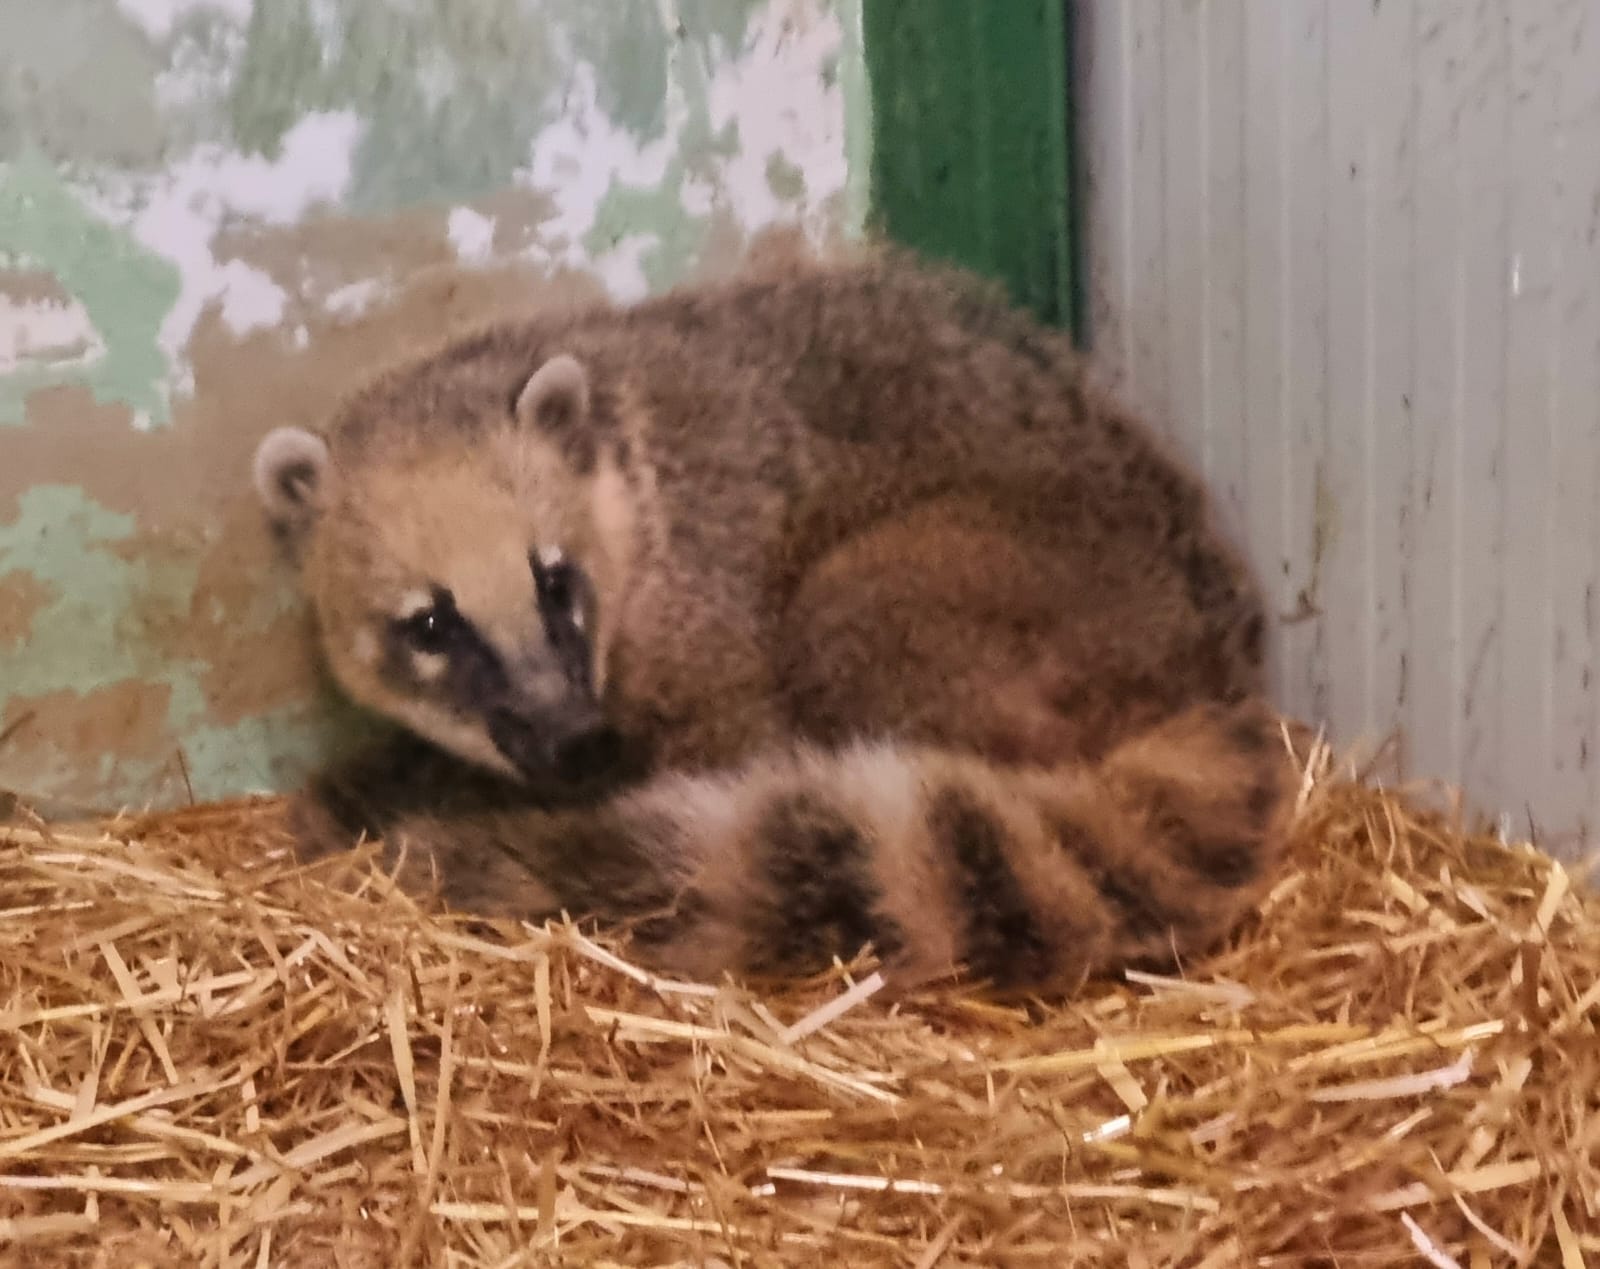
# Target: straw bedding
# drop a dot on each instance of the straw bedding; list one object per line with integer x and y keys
{"x": 208, "y": 1056}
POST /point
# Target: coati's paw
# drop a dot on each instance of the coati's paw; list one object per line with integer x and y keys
{"x": 470, "y": 864}
{"x": 316, "y": 829}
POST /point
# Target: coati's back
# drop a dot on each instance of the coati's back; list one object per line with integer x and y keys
{"x": 734, "y": 535}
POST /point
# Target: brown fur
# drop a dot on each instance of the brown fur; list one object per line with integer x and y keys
{"x": 912, "y": 636}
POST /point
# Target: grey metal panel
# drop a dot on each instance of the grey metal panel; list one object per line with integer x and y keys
{"x": 1346, "y": 252}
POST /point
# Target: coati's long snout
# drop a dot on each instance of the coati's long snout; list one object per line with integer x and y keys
{"x": 574, "y": 750}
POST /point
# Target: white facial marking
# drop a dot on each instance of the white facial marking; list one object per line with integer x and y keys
{"x": 413, "y": 602}
{"x": 465, "y": 740}
{"x": 428, "y": 666}
{"x": 365, "y": 647}
{"x": 551, "y": 556}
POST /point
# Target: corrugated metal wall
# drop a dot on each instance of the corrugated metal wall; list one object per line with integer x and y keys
{"x": 1348, "y": 248}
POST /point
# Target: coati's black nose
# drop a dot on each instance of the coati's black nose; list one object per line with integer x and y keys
{"x": 573, "y": 752}
{"x": 586, "y": 754}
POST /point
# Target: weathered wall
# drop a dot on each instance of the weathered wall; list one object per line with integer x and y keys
{"x": 213, "y": 214}
{"x": 1350, "y": 252}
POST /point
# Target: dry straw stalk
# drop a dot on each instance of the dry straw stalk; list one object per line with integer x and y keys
{"x": 211, "y": 1057}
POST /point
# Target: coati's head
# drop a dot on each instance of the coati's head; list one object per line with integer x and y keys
{"x": 464, "y": 582}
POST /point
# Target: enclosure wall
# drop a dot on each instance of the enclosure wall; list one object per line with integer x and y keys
{"x": 215, "y": 214}
{"x": 1348, "y": 252}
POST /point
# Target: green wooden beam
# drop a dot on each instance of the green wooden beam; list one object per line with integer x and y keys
{"x": 972, "y": 141}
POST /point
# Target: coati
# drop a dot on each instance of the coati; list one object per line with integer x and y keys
{"x": 824, "y": 606}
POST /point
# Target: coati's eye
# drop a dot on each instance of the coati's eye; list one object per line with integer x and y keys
{"x": 565, "y": 599}
{"x": 556, "y": 580}
{"x": 430, "y": 629}
{"x": 425, "y": 631}
{"x": 557, "y": 586}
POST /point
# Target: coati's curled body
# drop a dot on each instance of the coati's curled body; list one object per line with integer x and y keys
{"x": 821, "y": 607}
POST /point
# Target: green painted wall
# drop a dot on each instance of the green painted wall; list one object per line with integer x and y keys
{"x": 213, "y": 214}
{"x": 971, "y": 158}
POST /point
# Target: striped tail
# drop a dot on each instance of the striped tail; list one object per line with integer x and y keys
{"x": 1030, "y": 879}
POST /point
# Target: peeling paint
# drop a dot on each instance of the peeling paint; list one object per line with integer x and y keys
{"x": 51, "y": 334}
{"x": 853, "y": 88}
{"x": 178, "y": 214}
{"x": 784, "y": 108}
{"x": 725, "y": 122}
{"x": 75, "y": 642}
{"x": 103, "y": 647}
{"x": 76, "y": 83}
{"x": 353, "y": 299}
{"x": 579, "y": 159}
{"x": 451, "y": 93}
{"x": 250, "y": 299}
{"x": 122, "y": 288}
{"x": 22, "y": 597}
{"x": 157, "y": 18}
{"x": 471, "y": 235}
{"x": 220, "y": 212}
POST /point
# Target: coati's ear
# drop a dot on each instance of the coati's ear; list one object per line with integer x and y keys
{"x": 292, "y": 472}
{"x": 556, "y": 393}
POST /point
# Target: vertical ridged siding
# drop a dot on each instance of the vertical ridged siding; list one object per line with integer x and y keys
{"x": 1347, "y": 251}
